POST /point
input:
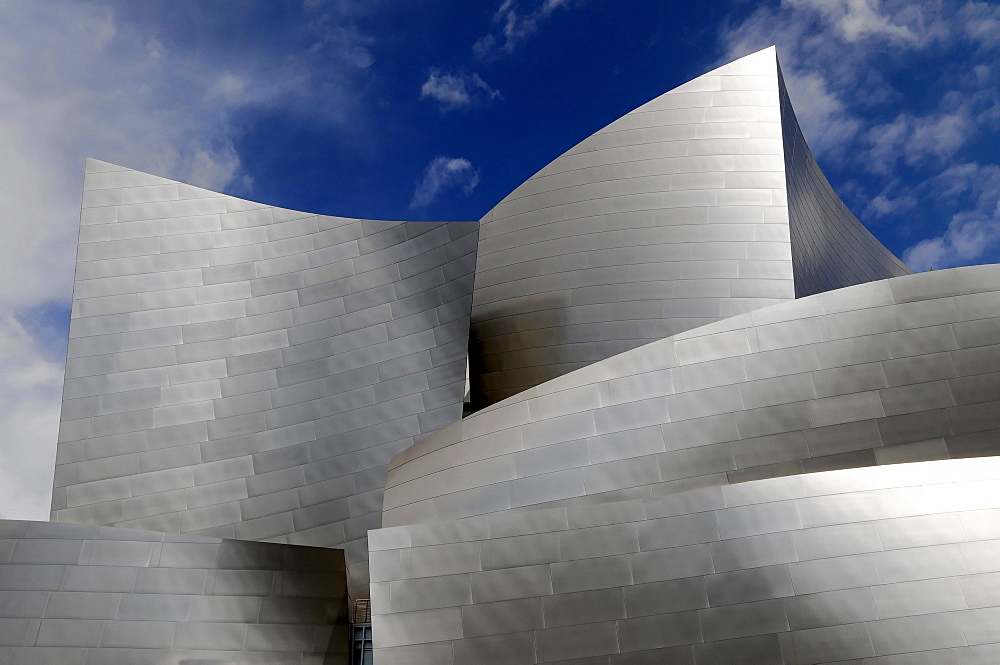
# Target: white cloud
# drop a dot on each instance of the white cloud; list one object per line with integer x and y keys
{"x": 830, "y": 53}
{"x": 823, "y": 116}
{"x": 441, "y": 175}
{"x": 912, "y": 139}
{"x": 854, "y": 20}
{"x": 886, "y": 204}
{"x": 820, "y": 113}
{"x": 971, "y": 234}
{"x": 841, "y": 60}
{"x": 457, "y": 91}
{"x": 514, "y": 26}
{"x": 981, "y": 23}
{"x": 80, "y": 80}
{"x": 30, "y": 392}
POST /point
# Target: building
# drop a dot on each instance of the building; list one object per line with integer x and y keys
{"x": 713, "y": 420}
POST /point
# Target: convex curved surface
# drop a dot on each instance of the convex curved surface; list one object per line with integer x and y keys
{"x": 702, "y": 204}
{"x": 893, "y": 564}
{"x": 86, "y": 595}
{"x": 246, "y": 371}
{"x": 899, "y": 370}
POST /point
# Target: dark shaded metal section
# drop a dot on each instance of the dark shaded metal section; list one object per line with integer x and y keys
{"x": 88, "y": 595}
{"x": 831, "y": 249}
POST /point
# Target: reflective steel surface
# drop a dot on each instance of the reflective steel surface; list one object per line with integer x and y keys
{"x": 892, "y": 564}
{"x": 899, "y": 370}
{"x": 674, "y": 460}
{"x": 245, "y": 371}
{"x": 87, "y": 595}
{"x": 735, "y": 493}
{"x": 691, "y": 208}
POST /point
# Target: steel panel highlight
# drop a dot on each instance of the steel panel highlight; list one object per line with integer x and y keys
{"x": 87, "y": 595}
{"x": 702, "y": 204}
{"x": 899, "y": 370}
{"x": 245, "y": 371}
{"x": 894, "y": 563}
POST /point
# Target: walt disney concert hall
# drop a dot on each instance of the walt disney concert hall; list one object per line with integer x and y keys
{"x": 669, "y": 402}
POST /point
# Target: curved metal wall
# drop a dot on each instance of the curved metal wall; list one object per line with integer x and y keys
{"x": 904, "y": 369}
{"x": 895, "y": 564}
{"x": 242, "y": 371}
{"x": 245, "y": 371}
{"x": 85, "y": 595}
{"x": 699, "y": 205}
{"x": 831, "y": 249}
{"x": 668, "y": 218}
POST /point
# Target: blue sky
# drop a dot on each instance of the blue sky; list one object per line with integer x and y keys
{"x": 437, "y": 110}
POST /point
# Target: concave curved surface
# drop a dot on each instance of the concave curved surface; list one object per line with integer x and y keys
{"x": 245, "y": 371}
{"x": 893, "y": 564}
{"x": 831, "y": 249}
{"x": 87, "y": 595}
{"x": 904, "y": 369}
{"x": 702, "y": 204}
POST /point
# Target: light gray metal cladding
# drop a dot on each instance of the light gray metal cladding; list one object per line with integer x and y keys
{"x": 87, "y": 595}
{"x": 831, "y": 249}
{"x": 671, "y": 217}
{"x": 905, "y": 369}
{"x": 699, "y": 205}
{"x": 892, "y": 564}
{"x": 240, "y": 370}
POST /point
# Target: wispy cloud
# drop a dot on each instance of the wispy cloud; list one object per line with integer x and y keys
{"x": 833, "y": 53}
{"x": 854, "y": 20}
{"x": 914, "y": 138}
{"x": 441, "y": 175}
{"x": 514, "y": 25}
{"x": 973, "y": 232}
{"x": 849, "y": 63}
{"x": 981, "y": 23}
{"x": 457, "y": 91}
{"x": 29, "y": 415}
{"x": 114, "y": 82}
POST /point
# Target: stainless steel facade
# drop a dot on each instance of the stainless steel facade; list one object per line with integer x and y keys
{"x": 720, "y": 422}
{"x": 245, "y": 371}
{"x": 890, "y": 371}
{"x": 752, "y": 490}
{"x": 87, "y": 595}
{"x": 890, "y": 564}
{"x": 691, "y": 208}
{"x": 831, "y": 249}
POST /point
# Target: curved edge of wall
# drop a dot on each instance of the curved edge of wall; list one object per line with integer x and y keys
{"x": 245, "y": 371}
{"x": 671, "y": 217}
{"x": 831, "y": 248}
{"x": 701, "y": 204}
{"x": 900, "y": 370}
{"x": 87, "y": 595}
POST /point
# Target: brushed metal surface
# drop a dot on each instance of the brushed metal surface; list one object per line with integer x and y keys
{"x": 85, "y": 594}
{"x": 791, "y": 388}
{"x": 701, "y": 204}
{"x": 719, "y": 421}
{"x": 877, "y": 581}
{"x": 245, "y": 371}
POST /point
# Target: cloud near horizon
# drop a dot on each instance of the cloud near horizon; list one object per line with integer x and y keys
{"x": 82, "y": 80}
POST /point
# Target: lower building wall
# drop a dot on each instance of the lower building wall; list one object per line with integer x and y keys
{"x": 87, "y": 595}
{"x": 892, "y": 564}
